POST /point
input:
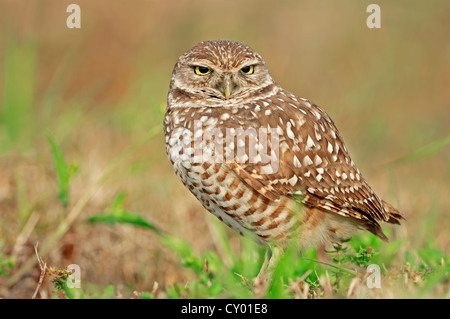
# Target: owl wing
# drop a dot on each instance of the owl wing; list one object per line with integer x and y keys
{"x": 312, "y": 164}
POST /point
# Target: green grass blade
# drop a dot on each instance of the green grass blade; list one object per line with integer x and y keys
{"x": 124, "y": 217}
{"x": 117, "y": 214}
{"x": 423, "y": 152}
{"x": 63, "y": 172}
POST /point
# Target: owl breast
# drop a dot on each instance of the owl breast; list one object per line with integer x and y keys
{"x": 201, "y": 164}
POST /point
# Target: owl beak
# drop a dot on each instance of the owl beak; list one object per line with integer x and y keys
{"x": 226, "y": 86}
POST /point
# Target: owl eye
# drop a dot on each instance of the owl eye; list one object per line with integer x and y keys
{"x": 201, "y": 70}
{"x": 247, "y": 69}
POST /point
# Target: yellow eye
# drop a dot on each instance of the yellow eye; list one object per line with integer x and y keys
{"x": 201, "y": 70}
{"x": 248, "y": 69}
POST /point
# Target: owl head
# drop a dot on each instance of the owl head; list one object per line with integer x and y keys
{"x": 216, "y": 73}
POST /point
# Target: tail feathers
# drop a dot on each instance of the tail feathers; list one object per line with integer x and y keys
{"x": 394, "y": 215}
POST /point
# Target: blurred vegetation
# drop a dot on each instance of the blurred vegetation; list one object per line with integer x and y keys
{"x": 83, "y": 171}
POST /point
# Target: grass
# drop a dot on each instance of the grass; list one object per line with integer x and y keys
{"x": 421, "y": 272}
{"x": 83, "y": 171}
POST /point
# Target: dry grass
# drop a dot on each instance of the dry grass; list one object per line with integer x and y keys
{"x": 100, "y": 90}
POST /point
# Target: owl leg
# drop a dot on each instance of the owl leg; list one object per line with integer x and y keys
{"x": 275, "y": 257}
{"x": 264, "y": 278}
{"x": 264, "y": 266}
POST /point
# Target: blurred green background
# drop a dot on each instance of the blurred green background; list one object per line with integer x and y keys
{"x": 99, "y": 90}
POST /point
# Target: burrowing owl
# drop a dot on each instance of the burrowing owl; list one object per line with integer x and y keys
{"x": 264, "y": 161}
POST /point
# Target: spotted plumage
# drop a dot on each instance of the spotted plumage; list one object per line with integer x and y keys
{"x": 264, "y": 161}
